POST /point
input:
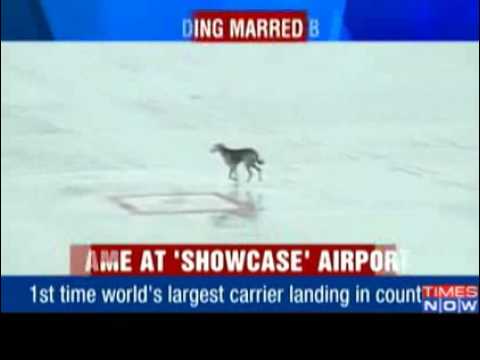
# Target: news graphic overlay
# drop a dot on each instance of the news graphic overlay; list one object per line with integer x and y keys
{"x": 239, "y": 278}
{"x": 257, "y": 294}
{"x": 245, "y": 260}
{"x": 252, "y": 26}
{"x": 450, "y": 299}
{"x": 326, "y": 20}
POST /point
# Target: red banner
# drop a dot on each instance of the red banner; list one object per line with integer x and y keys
{"x": 249, "y": 26}
{"x": 276, "y": 259}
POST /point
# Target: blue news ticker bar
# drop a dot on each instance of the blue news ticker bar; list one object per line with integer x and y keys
{"x": 143, "y": 20}
{"x": 17, "y": 293}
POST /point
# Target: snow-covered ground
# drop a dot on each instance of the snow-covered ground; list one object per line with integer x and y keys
{"x": 363, "y": 143}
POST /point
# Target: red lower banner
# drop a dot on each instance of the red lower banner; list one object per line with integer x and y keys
{"x": 186, "y": 259}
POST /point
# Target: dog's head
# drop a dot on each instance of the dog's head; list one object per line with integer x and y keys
{"x": 217, "y": 147}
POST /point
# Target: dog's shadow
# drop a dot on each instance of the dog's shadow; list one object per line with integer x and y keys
{"x": 251, "y": 206}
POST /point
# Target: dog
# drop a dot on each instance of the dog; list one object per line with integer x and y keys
{"x": 234, "y": 157}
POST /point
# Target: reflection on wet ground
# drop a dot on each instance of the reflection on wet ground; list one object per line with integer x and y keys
{"x": 249, "y": 209}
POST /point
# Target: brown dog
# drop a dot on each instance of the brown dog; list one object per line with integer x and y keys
{"x": 233, "y": 157}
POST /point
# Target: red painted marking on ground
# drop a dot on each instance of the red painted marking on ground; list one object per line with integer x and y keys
{"x": 242, "y": 209}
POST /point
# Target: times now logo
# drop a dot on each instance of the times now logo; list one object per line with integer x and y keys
{"x": 450, "y": 298}
{"x": 249, "y": 26}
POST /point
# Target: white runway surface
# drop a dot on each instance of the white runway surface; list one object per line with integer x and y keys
{"x": 363, "y": 143}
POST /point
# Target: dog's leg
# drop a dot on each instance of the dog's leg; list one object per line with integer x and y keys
{"x": 259, "y": 171}
{"x": 249, "y": 172}
{"x": 233, "y": 171}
